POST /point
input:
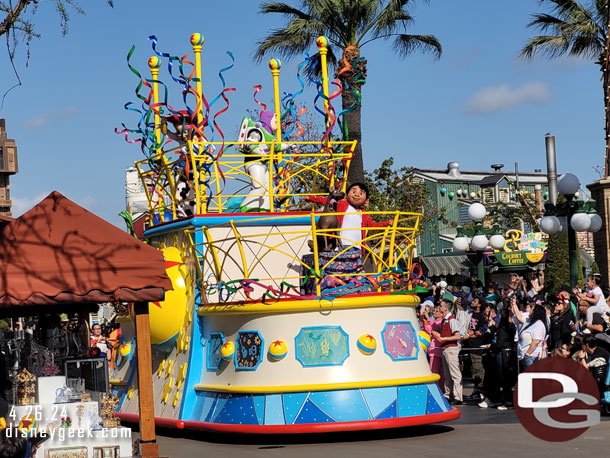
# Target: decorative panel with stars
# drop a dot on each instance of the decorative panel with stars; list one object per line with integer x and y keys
{"x": 321, "y": 346}
{"x": 249, "y": 350}
{"x": 400, "y": 340}
{"x": 214, "y": 358}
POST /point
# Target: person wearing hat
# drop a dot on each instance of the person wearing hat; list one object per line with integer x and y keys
{"x": 449, "y": 338}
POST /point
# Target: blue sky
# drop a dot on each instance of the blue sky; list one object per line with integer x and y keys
{"x": 479, "y": 104}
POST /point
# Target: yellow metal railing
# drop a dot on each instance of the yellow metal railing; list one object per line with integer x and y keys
{"x": 239, "y": 260}
{"x": 212, "y": 180}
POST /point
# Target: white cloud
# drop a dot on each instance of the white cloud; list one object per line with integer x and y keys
{"x": 50, "y": 117}
{"x": 23, "y": 204}
{"x": 493, "y": 99}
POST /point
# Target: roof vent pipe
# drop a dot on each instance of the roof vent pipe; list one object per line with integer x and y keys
{"x": 453, "y": 169}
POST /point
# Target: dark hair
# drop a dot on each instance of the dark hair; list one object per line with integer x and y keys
{"x": 590, "y": 340}
{"x": 361, "y": 185}
{"x": 12, "y": 445}
{"x": 595, "y": 277}
{"x": 538, "y": 314}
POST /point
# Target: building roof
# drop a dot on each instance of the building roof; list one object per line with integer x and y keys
{"x": 481, "y": 177}
{"x": 60, "y": 253}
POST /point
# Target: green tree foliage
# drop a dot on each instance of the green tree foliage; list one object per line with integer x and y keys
{"x": 594, "y": 268}
{"x": 557, "y": 267}
{"x": 398, "y": 189}
{"x": 349, "y": 25}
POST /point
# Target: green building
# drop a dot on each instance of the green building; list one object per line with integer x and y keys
{"x": 454, "y": 190}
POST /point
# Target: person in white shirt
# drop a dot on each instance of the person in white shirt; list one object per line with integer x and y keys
{"x": 594, "y": 297}
{"x": 532, "y": 337}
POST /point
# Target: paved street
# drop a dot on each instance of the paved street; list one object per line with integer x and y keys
{"x": 479, "y": 432}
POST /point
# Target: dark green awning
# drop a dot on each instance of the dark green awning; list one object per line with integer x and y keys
{"x": 447, "y": 264}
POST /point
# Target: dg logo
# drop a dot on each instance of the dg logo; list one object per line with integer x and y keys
{"x": 557, "y": 399}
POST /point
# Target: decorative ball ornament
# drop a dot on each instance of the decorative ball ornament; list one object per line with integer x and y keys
{"x": 465, "y": 192}
{"x": 424, "y": 340}
{"x": 154, "y": 62}
{"x": 197, "y": 39}
{"x": 568, "y": 184}
{"x": 580, "y": 222}
{"x": 460, "y": 244}
{"x": 125, "y": 350}
{"x": 322, "y": 42}
{"x": 479, "y": 193}
{"x": 278, "y": 350}
{"x": 28, "y": 425}
{"x": 497, "y": 241}
{"x": 577, "y": 194}
{"x": 451, "y": 194}
{"x": 443, "y": 191}
{"x": 477, "y": 212}
{"x": 479, "y": 242}
{"x": 550, "y": 225}
{"x": 546, "y": 194}
{"x": 227, "y": 350}
{"x": 367, "y": 344}
{"x": 596, "y": 222}
{"x": 275, "y": 64}
{"x": 459, "y": 192}
{"x": 473, "y": 194}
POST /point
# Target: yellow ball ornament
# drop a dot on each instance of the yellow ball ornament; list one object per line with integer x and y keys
{"x": 125, "y": 350}
{"x": 278, "y": 350}
{"x": 275, "y": 64}
{"x": 154, "y": 62}
{"x": 227, "y": 350}
{"x": 424, "y": 340}
{"x": 322, "y": 42}
{"x": 197, "y": 39}
{"x": 367, "y": 344}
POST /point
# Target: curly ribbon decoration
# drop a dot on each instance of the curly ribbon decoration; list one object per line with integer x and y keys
{"x": 257, "y": 89}
{"x": 394, "y": 275}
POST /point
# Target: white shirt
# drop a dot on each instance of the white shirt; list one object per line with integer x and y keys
{"x": 536, "y": 331}
{"x": 601, "y": 301}
{"x": 352, "y": 221}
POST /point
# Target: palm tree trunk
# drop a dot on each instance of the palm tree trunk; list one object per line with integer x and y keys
{"x": 353, "y": 121}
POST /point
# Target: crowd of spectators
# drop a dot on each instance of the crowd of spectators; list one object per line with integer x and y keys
{"x": 494, "y": 333}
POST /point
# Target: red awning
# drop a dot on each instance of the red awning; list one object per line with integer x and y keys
{"x": 60, "y": 253}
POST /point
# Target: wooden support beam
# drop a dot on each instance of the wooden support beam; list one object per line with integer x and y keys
{"x": 148, "y": 439}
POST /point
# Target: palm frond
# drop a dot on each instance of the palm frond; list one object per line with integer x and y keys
{"x": 286, "y": 42}
{"x": 571, "y": 28}
{"x": 282, "y": 8}
{"x": 550, "y": 45}
{"x": 406, "y": 44}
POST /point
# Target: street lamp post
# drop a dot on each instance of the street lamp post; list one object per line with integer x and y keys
{"x": 477, "y": 239}
{"x": 577, "y": 216}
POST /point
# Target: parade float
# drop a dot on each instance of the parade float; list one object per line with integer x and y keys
{"x": 265, "y": 331}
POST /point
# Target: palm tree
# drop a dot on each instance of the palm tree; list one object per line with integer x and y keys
{"x": 576, "y": 29}
{"x": 348, "y": 25}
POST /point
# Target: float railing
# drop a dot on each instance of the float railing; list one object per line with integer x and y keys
{"x": 195, "y": 176}
{"x": 283, "y": 256}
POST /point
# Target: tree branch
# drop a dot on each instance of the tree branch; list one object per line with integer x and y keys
{"x": 12, "y": 16}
